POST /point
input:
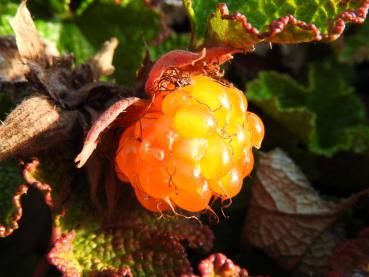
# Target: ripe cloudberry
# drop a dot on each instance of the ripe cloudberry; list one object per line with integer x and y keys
{"x": 192, "y": 144}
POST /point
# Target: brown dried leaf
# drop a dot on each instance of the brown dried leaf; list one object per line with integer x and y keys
{"x": 28, "y": 39}
{"x": 11, "y": 67}
{"x": 102, "y": 62}
{"x": 288, "y": 219}
{"x": 34, "y": 125}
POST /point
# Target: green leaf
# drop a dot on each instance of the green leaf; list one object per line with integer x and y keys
{"x": 7, "y": 11}
{"x": 276, "y": 21}
{"x": 356, "y": 46}
{"x": 133, "y": 239}
{"x": 326, "y": 115}
{"x": 132, "y": 23}
{"x": 11, "y": 191}
{"x": 83, "y": 6}
{"x": 174, "y": 41}
{"x": 67, "y": 38}
{"x": 52, "y": 173}
{"x": 54, "y": 7}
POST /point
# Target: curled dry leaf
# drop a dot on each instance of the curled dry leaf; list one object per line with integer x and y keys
{"x": 58, "y": 91}
{"x": 288, "y": 219}
{"x": 205, "y": 62}
{"x": 102, "y": 62}
{"x": 103, "y": 122}
{"x": 29, "y": 43}
{"x": 34, "y": 125}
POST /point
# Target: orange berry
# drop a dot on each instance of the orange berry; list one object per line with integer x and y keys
{"x": 211, "y": 94}
{"x": 229, "y": 185}
{"x": 246, "y": 162}
{"x": 237, "y": 138}
{"x": 150, "y": 152}
{"x": 150, "y": 203}
{"x": 217, "y": 160}
{"x": 214, "y": 96}
{"x": 192, "y": 143}
{"x": 121, "y": 175}
{"x": 164, "y": 133}
{"x": 193, "y": 200}
{"x": 127, "y": 158}
{"x": 145, "y": 125}
{"x": 186, "y": 175}
{"x": 155, "y": 181}
{"x": 195, "y": 121}
{"x": 156, "y": 105}
{"x": 256, "y": 128}
{"x": 174, "y": 101}
{"x": 238, "y": 105}
{"x": 192, "y": 150}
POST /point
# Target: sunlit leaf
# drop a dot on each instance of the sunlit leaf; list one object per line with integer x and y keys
{"x": 326, "y": 115}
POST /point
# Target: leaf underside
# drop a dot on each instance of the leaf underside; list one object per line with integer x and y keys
{"x": 289, "y": 220}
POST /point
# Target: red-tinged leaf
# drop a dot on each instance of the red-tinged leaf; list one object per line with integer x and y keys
{"x": 218, "y": 265}
{"x": 102, "y": 123}
{"x": 186, "y": 63}
{"x": 12, "y": 189}
{"x": 132, "y": 241}
{"x": 252, "y": 22}
{"x": 289, "y": 220}
{"x": 52, "y": 173}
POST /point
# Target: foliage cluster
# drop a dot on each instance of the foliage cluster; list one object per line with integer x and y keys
{"x": 304, "y": 67}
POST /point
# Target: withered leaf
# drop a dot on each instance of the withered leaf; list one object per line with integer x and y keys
{"x": 102, "y": 62}
{"x": 288, "y": 219}
{"x": 28, "y": 39}
{"x": 34, "y": 125}
{"x": 11, "y": 67}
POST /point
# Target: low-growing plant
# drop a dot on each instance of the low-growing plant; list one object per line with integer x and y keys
{"x": 139, "y": 137}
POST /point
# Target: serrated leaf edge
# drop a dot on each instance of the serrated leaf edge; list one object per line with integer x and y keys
{"x": 279, "y": 25}
{"x": 45, "y": 189}
{"x": 7, "y": 230}
{"x": 63, "y": 244}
